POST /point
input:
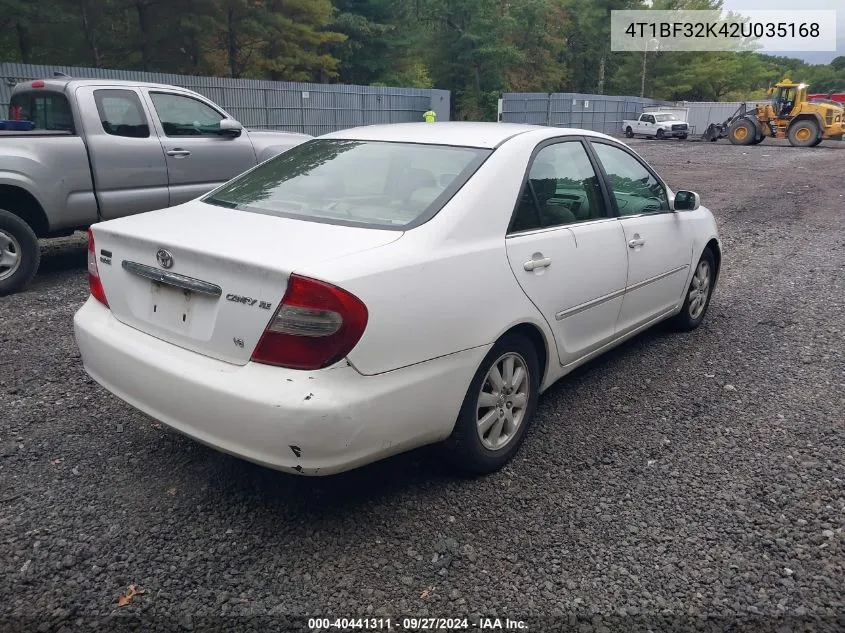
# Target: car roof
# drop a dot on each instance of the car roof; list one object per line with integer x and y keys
{"x": 456, "y": 133}
{"x": 62, "y": 83}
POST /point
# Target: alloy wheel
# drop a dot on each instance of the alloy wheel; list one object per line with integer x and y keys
{"x": 502, "y": 401}
{"x": 699, "y": 290}
{"x": 10, "y": 255}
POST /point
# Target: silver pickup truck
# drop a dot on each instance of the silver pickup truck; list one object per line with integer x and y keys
{"x": 77, "y": 151}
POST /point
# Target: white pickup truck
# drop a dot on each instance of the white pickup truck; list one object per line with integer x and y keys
{"x": 658, "y": 124}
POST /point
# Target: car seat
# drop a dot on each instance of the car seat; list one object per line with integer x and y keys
{"x": 543, "y": 178}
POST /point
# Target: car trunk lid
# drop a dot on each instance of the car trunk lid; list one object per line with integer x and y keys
{"x": 209, "y": 279}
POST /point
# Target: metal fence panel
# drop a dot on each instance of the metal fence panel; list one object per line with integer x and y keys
{"x": 291, "y": 106}
{"x": 604, "y": 113}
{"x": 601, "y": 113}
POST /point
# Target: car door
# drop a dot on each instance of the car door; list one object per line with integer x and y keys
{"x": 659, "y": 252}
{"x": 565, "y": 249}
{"x": 127, "y": 161}
{"x": 199, "y": 158}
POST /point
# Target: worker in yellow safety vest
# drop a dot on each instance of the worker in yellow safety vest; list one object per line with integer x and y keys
{"x": 430, "y": 116}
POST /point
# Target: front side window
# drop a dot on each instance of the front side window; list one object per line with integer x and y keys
{"x": 635, "y": 189}
{"x": 357, "y": 183}
{"x": 784, "y": 101}
{"x": 562, "y": 188}
{"x": 121, "y": 113}
{"x": 49, "y": 111}
{"x": 648, "y": 119}
{"x": 185, "y": 116}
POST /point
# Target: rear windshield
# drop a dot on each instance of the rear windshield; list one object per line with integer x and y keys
{"x": 49, "y": 111}
{"x": 356, "y": 183}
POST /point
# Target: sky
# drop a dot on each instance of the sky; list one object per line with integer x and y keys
{"x": 811, "y": 57}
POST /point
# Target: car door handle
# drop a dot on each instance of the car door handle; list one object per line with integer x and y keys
{"x": 178, "y": 152}
{"x": 533, "y": 264}
{"x": 637, "y": 241}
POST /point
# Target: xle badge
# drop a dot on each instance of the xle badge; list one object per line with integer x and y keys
{"x": 249, "y": 301}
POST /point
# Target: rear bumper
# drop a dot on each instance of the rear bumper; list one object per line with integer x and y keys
{"x": 310, "y": 423}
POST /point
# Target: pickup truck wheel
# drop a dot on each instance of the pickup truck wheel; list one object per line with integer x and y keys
{"x": 19, "y": 253}
{"x": 660, "y": 135}
{"x": 629, "y": 132}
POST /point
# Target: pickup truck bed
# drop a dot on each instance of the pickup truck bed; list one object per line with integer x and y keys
{"x": 104, "y": 149}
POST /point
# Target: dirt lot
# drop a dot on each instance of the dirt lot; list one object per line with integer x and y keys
{"x": 679, "y": 476}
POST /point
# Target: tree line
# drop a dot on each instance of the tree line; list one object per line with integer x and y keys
{"x": 475, "y": 48}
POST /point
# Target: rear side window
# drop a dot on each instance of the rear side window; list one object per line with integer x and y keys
{"x": 121, "y": 113}
{"x": 562, "y": 188}
{"x": 356, "y": 183}
{"x": 49, "y": 111}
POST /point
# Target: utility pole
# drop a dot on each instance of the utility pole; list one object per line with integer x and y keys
{"x": 645, "y": 54}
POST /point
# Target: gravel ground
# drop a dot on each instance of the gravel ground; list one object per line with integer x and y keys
{"x": 677, "y": 477}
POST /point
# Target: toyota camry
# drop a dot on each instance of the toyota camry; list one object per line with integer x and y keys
{"x": 387, "y": 287}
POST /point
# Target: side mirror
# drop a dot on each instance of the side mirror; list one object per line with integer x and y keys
{"x": 686, "y": 201}
{"x": 230, "y": 127}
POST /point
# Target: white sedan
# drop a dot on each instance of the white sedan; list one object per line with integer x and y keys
{"x": 386, "y": 287}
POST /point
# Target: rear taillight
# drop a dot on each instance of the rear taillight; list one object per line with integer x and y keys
{"x": 316, "y": 325}
{"x": 95, "y": 284}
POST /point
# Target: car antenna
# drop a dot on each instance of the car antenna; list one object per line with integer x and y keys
{"x": 58, "y": 73}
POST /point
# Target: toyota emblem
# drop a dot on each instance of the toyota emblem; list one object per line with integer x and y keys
{"x": 165, "y": 259}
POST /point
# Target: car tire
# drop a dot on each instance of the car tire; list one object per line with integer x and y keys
{"x": 629, "y": 133}
{"x": 697, "y": 301}
{"x": 660, "y": 135}
{"x": 476, "y": 451}
{"x": 683, "y": 137}
{"x": 19, "y": 253}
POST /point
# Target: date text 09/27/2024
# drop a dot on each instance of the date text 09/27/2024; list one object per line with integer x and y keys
{"x": 415, "y": 624}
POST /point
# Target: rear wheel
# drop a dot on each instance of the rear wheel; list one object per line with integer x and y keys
{"x": 683, "y": 137}
{"x": 19, "y": 253}
{"x": 742, "y": 132}
{"x": 629, "y": 132}
{"x": 698, "y": 295}
{"x": 804, "y": 133}
{"x": 497, "y": 409}
{"x": 817, "y": 142}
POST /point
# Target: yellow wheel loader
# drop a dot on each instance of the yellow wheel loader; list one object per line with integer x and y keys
{"x": 789, "y": 114}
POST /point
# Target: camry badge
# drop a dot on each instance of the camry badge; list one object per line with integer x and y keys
{"x": 165, "y": 259}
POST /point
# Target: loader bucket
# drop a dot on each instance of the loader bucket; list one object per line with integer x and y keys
{"x": 713, "y": 132}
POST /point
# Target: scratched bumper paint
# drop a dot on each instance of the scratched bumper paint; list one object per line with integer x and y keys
{"x": 310, "y": 423}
